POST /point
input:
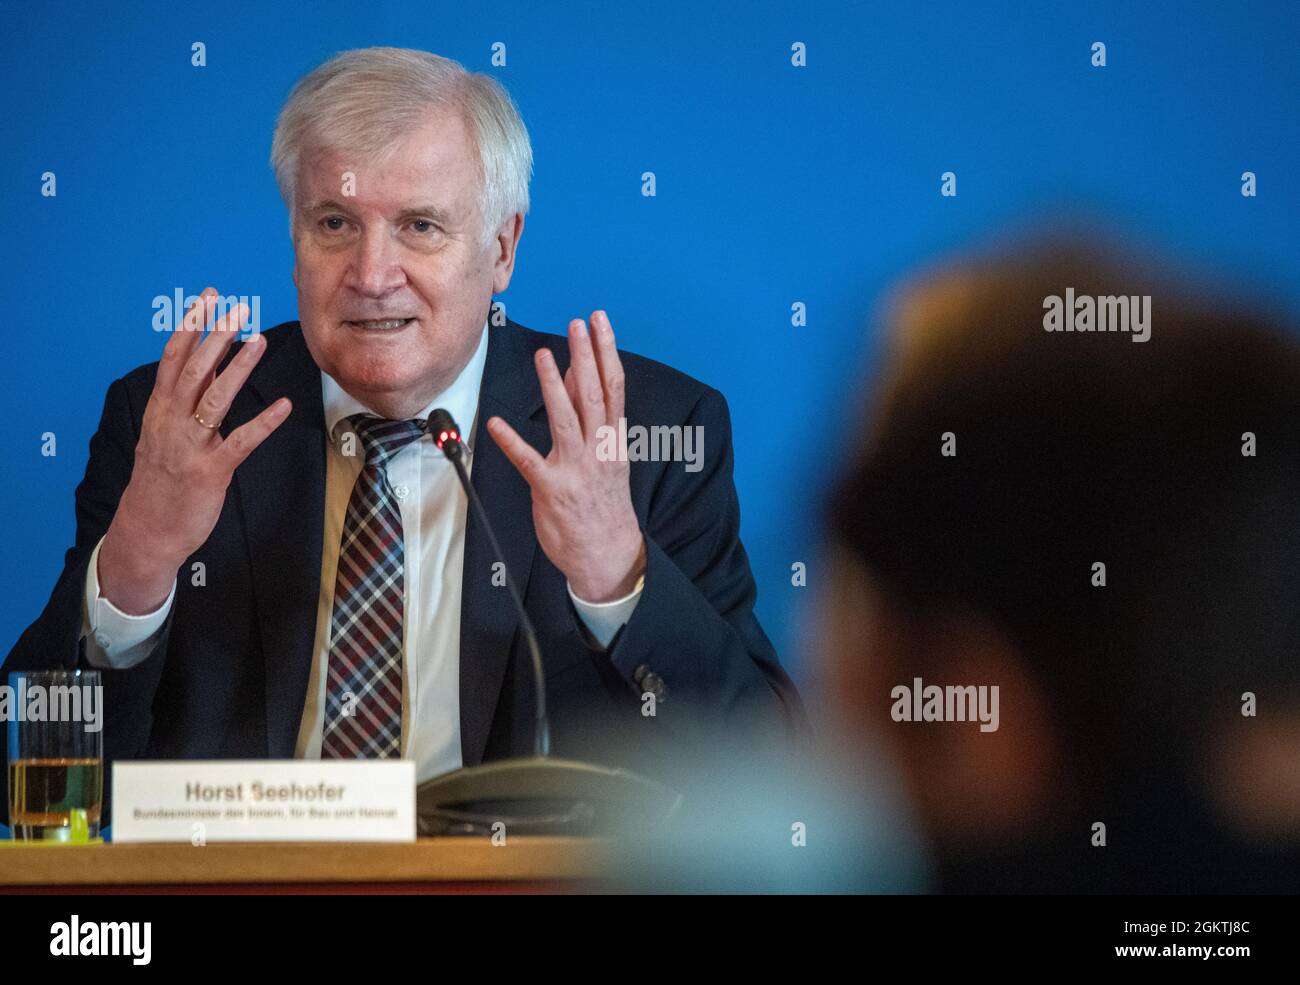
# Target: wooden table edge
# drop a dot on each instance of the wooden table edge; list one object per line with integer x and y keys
{"x": 427, "y": 860}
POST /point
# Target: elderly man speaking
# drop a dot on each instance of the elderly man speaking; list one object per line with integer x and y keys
{"x": 346, "y": 606}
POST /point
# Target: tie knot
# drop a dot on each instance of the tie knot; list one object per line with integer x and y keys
{"x": 381, "y": 438}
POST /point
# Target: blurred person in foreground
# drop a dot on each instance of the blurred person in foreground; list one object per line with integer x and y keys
{"x": 999, "y": 464}
{"x": 1158, "y": 697}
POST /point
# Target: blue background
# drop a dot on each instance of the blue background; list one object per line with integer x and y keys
{"x": 775, "y": 184}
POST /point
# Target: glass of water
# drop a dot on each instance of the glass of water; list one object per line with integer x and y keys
{"x": 56, "y": 754}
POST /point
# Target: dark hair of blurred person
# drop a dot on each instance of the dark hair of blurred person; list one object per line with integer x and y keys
{"x": 1119, "y": 705}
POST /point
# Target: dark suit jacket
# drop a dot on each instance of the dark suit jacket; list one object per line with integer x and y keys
{"x": 228, "y": 678}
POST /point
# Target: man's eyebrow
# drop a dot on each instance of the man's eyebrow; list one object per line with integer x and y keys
{"x": 326, "y": 205}
{"x": 438, "y": 215}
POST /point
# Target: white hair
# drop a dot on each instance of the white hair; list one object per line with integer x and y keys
{"x": 362, "y": 101}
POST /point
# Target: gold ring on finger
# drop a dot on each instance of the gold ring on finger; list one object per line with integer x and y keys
{"x": 210, "y": 427}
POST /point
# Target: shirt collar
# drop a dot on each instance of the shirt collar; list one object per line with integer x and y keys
{"x": 461, "y": 398}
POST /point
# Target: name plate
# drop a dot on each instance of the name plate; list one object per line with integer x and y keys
{"x": 200, "y": 801}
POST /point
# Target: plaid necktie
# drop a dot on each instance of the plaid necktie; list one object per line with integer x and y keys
{"x": 363, "y": 694}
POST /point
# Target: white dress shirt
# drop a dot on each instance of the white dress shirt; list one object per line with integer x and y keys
{"x": 433, "y": 507}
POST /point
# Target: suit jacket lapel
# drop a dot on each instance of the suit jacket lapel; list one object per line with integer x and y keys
{"x": 509, "y": 390}
{"x": 281, "y": 489}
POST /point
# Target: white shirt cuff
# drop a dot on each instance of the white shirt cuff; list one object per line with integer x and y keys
{"x": 604, "y": 619}
{"x": 114, "y": 639}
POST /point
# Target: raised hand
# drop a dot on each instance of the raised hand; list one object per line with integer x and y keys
{"x": 183, "y": 465}
{"x": 582, "y": 506}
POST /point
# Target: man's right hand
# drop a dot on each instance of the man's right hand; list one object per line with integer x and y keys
{"x": 182, "y": 467}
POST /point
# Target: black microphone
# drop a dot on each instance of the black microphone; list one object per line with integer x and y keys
{"x": 446, "y": 435}
{"x": 538, "y": 794}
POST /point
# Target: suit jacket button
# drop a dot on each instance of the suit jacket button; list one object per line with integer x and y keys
{"x": 638, "y": 675}
{"x": 654, "y": 684}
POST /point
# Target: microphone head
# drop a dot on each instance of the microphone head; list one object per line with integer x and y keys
{"x": 445, "y": 433}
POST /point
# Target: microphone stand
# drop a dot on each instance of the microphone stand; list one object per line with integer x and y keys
{"x": 537, "y": 794}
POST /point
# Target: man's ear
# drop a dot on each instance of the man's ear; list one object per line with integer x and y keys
{"x": 507, "y": 242}
{"x": 293, "y": 239}
{"x": 968, "y": 784}
{"x": 994, "y": 777}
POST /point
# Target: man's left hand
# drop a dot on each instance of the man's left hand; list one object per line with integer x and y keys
{"x": 582, "y": 506}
